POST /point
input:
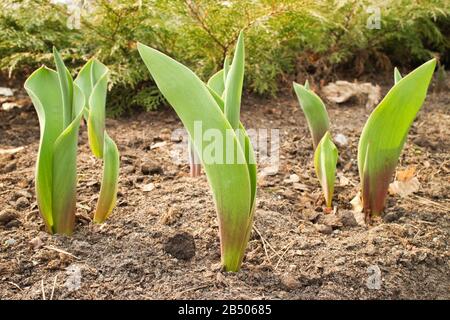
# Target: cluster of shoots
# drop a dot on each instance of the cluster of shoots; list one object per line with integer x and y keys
{"x": 381, "y": 141}
{"x": 61, "y": 103}
{"x": 216, "y": 105}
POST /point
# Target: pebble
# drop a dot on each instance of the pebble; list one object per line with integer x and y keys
{"x": 151, "y": 169}
{"x": 293, "y": 178}
{"x": 22, "y": 203}
{"x": 371, "y": 250}
{"x": 148, "y": 187}
{"x": 128, "y": 169}
{"x": 348, "y": 219}
{"x": 390, "y": 217}
{"x": 300, "y": 186}
{"x": 341, "y": 140}
{"x": 36, "y": 243}
{"x": 13, "y": 224}
{"x": 311, "y": 215}
{"x": 10, "y": 242}
{"x": 10, "y": 167}
{"x": 289, "y": 282}
{"x": 126, "y": 160}
{"x": 331, "y": 220}
{"x": 269, "y": 171}
{"x": 21, "y": 193}
{"x": 6, "y": 216}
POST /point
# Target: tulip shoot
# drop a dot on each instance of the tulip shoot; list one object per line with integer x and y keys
{"x": 325, "y": 152}
{"x": 385, "y": 133}
{"x": 59, "y": 105}
{"x": 233, "y": 183}
{"x": 93, "y": 81}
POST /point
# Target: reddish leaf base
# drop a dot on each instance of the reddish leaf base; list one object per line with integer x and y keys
{"x": 196, "y": 170}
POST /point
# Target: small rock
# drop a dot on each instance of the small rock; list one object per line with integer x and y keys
{"x": 293, "y": 178}
{"x": 390, "y": 217}
{"x": 371, "y": 250}
{"x": 331, "y": 220}
{"x": 13, "y": 224}
{"x": 348, "y": 219}
{"x": 425, "y": 142}
{"x": 7, "y": 92}
{"x": 32, "y": 215}
{"x": 312, "y": 215}
{"x": 7, "y": 215}
{"x": 158, "y": 145}
{"x": 10, "y": 167}
{"x": 325, "y": 229}
{"x": 341, "y": 140}
{"x": 181, "y": 246}
{"x": 36, "y": 243}
{"x": 22, "y": 203}
{"x": 269, "y": 171}
{"x": 289, "y": 282}
{"x": 10, "y": 242}
{"x": 126, "y": 160}
{"x": 21, "y": 193}
{"x": 151, "y": 169}
{"x": 300, "y": 186}
{"x": 128, "y": 169}
{"x": 148, "y": 187}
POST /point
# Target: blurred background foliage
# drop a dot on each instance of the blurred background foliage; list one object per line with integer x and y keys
{"x": 285, "y": 39}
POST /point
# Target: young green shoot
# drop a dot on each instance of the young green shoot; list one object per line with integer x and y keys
{"x": 325, "y": 152}
{"x": 233, "y": 183}
{"x": 93, "y": 81}
{"x": 385, "y": 133}
{"x": 59, "y": 105}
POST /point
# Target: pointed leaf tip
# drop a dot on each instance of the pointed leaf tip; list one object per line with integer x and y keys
{"x": 397, "y": 75}
{"x": 315, "y": 112}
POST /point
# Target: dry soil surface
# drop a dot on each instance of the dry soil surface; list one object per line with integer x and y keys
{"x": 161, "y": 242}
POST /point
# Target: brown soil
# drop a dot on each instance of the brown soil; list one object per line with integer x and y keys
{"x": 295, "y": 252}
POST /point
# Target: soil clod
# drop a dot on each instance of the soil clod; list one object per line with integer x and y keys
{"x": 181, "y": 246}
